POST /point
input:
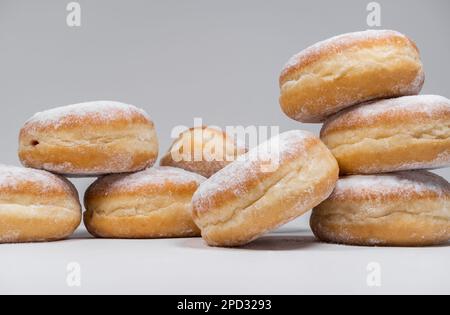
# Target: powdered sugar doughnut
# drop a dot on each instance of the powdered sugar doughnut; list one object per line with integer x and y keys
{"x": 405, "y": 133}
{"x": 154, "y": 203}
{"x": 204, "y": 151}
{"x": 266, "y": 188}
{"x": 91, "y": 139}
{"x": 347, "y": 70}
{"x": 398, "y": 209}
{"x": 36, "y": 206}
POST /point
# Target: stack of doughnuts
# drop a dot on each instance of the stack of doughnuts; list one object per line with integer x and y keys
{"x": 118, "y": 143}
{"x": 364, "y": 87}
{"x": 81, "y": 140}
{"x": 379, "y": 135}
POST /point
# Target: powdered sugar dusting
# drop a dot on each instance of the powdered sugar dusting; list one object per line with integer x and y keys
{"x": 249, "y": 167}
{"x": 336, "y": 43}
{"x": 157, "y": 176}
{"x": 430, "y": 105}
{"x": 338, "y": 60}
{"x": 403, "y": 183}
{"x": 11, "y": 177}
{"x": 102, "y": 110}
{"x": 441, "y": 160}
{"x": 415, "y": 86}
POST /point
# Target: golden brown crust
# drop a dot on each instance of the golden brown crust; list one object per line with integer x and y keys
{"x": 246, "y": 199}
{"x": 391, "y": 135}
{"x": 155, "y": 203}
{"x": 250, "y": 176}
{"x": 400, "y": 209}
{"x": 173, "y": 223}
{"x": 339, "y": 45}
{"x": 89, "y": 139}
{"x": 397, "y": 230}
{"x": 204, "y": 151}
{"x": 348, "y": 70}
{"x": 36, "y": 206}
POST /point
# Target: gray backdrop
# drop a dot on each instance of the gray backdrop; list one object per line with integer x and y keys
{"x": 219, "y": 60}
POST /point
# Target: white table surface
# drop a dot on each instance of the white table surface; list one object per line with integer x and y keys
{"x": 289, "y": 261}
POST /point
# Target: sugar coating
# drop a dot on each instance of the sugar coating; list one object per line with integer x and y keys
{"x": 157, "y": 176}
{"x": 336, "y": 43}
{"x": 208, "y": 137}
{"x": 235, "y": 176}
{"x": 394, "y": 47}
{"x": 103, "y": 111}
{"x": 442, "y": 160}
{"x": 402, "y": 183}
{"x": 430, "y": 105}
{"x": 11, "y": 177}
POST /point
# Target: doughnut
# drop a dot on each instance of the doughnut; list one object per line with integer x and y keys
{"x": 271, "y": 185}
{"x": 89, "y": 139}
{"x": 203, "y": 150}
{"x": 406, "y": 133}
{"x": 348, "y": 70}
{"x": 36, "y": 206}
{"x": 398, "y": 209}
{"x": 155, "y": 203}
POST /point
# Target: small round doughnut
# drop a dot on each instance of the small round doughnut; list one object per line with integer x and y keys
{"x": 398, "y": 209}
{"x": 203, "y": 150}
{"x": 269, "y": 186}
{"x": 406, "y": 133}
{"x": 89, "y": 139}
{"x": 36, "y": 206}
{"x": 155, "y": 203}
{"x": 347, "y": 70}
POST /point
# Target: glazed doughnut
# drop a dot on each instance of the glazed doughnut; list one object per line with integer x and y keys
{"x": 204, "y": 151}
{"x": 89, "y": 139}
{"x": 406, "y": 133}
{"x": 155, "y": 203}
{"x": 270, "y": 186}
{"x": 347, "y": 70}
{"x": 36, "y": 206}
{"x": 398, "y": 209}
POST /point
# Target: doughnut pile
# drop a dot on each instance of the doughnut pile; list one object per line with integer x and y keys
{"x": 81, "y": 140}
{"x": 117, "y": 143}
{"x": 379, "y": 135}
{"x": 364, "y": 87}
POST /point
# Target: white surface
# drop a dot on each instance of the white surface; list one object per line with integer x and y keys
{"x": 287, "y": 262}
